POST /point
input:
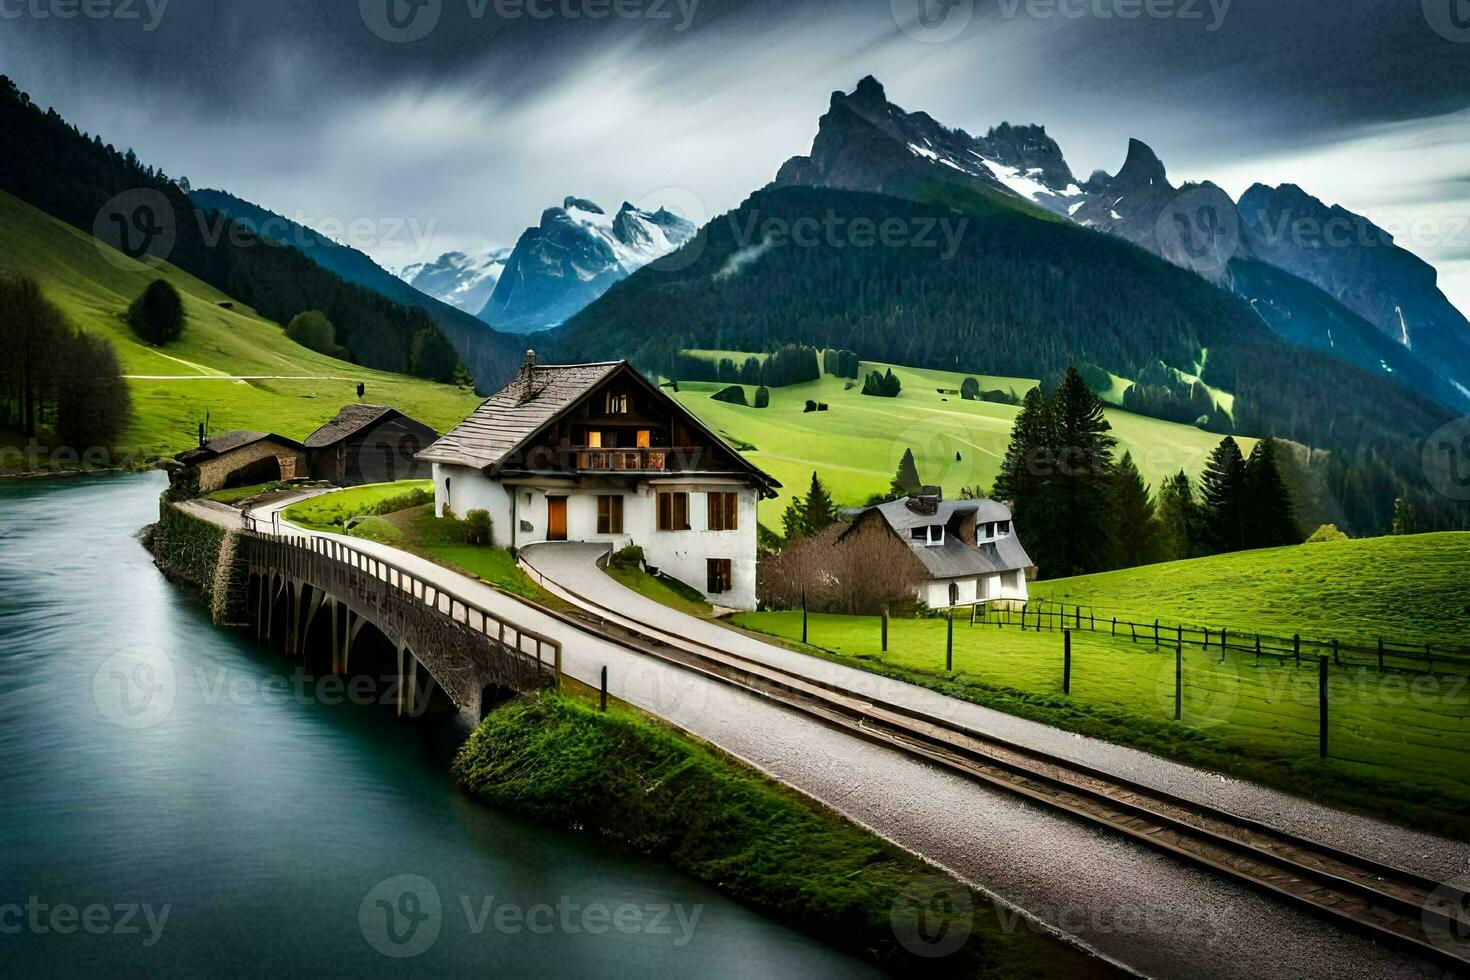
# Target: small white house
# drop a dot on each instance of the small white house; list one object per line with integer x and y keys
{"x": 597, "y": 453}
{"x": 967, "y": 551}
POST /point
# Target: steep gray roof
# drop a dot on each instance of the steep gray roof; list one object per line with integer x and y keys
{"x": 516, "y": 412}
{"x": 230, "y": 441}
{"x": 351, "y": 419}
{"x": 955, "y": 558}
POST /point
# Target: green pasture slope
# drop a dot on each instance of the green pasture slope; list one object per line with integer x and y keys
{"x": 174, "y": 386}
{"x": 1399, "y": 742}
{"x": 856, "y": 445}
{"x": 1414, "y": 589}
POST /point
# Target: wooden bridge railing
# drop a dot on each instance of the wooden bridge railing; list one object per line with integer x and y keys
{"x": 298, "y": 552}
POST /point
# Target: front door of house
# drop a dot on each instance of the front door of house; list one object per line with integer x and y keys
{"x": 556, "y": 518}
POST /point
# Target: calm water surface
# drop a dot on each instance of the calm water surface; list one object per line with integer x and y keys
{"x": 164, "y": 809}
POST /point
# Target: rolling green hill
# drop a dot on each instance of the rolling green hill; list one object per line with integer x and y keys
{"x": 855, "y": 446}
{"x": 284, "y": 387}
{"x": 1410, "y": 588}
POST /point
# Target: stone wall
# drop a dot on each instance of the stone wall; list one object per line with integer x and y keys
{"x": 214, "y": 473}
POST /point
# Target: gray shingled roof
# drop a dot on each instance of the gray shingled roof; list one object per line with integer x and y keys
{"x": 230, "y": 441}
{"x": 954, "y": 558}
{"x": 515, "y": 413}
{"x": 349, "y": 420}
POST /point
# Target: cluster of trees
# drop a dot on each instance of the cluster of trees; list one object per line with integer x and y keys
{"x": 53, "y": 375}
{"x": 971, "y": 391}
{"x": 55, "y": 167}
{"x": 841, "y": 363}
{"x": 810, "y": 514}
{"x": 884, "y": 385}
{"x": 1081, "y": 510}
{"x": 1025, "y": 298}
{"x": 789, "y": 364}
{"x": 157, "y": 316}
{"x": 1161, "y": 393}
{"x": 314, "y": 331}
{"x": 733, "y": 395}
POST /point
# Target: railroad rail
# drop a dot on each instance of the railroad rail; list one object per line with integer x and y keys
{"x": 1391, "y": 904}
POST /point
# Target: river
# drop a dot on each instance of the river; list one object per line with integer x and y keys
{"x": 201, "y": 817}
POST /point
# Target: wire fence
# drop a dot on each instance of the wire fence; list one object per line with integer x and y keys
{"x": 1380, "y": 653}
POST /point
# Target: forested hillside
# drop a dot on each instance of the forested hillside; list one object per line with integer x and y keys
{"x": 1009, "y": 294}
{"x": 55, "y": 167}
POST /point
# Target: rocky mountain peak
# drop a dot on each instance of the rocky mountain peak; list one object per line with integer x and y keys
{"x": 1142, "y": 168}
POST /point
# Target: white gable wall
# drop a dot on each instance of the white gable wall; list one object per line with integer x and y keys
{"x": 681, "y": 554}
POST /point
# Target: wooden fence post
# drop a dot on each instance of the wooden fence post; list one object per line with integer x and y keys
{"x": 1178, "y": 683}
{"x": 949, "y": 645}
{"x": 1296, "y": 648}
{"x": 803, "y": 616}
{"x": 1206, "y": 645}
{"x": 1180, "y": 638}
{"x": 1079, "y": 617}
{"x": 1156, "y": 632}
{"x": 1066, "y": 661}
{"x": 602, "y": 698}
{"x": 1224, "y": 643}
{"x": 885, "y": 629}
{"x": 1322, "y": 706}
{"x": 1258, "y": 649}
{"x": 1115, "y": 625}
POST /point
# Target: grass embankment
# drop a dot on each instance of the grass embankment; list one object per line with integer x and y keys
{"x": 293, "y": 391}
{"x": 1415, "y": 589}
{"x": 855, "y": 446}
{"x": 402, "y": 515}
{"x": 625, "y": 777}
{"x": 662, "y": 589}
{"x": 1399, "y": 744}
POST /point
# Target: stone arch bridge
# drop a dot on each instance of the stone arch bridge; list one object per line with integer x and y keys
{"x": 320, "y": 594}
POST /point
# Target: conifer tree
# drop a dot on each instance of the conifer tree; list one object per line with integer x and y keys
{"x": 906, "y": 481}
{"x": 1024, "y": 472}
{"x": 819, "y": 511}
{"x": 1082, "y": 477}
{"x": 1132, "y": 524}
{"x": 1222, "y": 490}
{"x": 1269, "y": 513}
{"x": 1178, "y": 517}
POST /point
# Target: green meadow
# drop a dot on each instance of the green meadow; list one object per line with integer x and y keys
{"x": 855, "y": 446}
{"x": 282, "y": 387}
{"x": 1415, "y": 589}
{"x": 1399, "y": 743}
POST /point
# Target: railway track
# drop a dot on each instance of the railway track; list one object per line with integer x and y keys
{"x": 1390, "y": 904}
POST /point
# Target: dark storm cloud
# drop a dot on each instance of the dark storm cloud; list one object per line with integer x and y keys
{"x": 313, "y": 109}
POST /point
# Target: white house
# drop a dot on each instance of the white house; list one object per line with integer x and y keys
{"x": 967, "y": 551}
{"x": 597, "y": 453}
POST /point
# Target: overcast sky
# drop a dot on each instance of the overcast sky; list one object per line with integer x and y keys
{"x": 456, "y": 127}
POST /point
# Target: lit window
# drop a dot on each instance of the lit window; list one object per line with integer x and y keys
{"x": 673, "y": 511}
{"x": 609, "y": 515}
{"x": 724, "y": 512}
{"x": 721, "y": 575}
{"x": 645, "y": 439}
{"x": 617, "y": 404}
{"x": 594, "y": 440}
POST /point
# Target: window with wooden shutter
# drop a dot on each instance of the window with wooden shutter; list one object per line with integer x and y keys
{"x": 721, "y": 576}
{"x": 673, "y": 511}
{"x": 609, "y": 515}
{"x": 724, "y": 512}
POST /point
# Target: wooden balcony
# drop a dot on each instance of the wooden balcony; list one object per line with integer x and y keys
{"x": 661, "y": 459}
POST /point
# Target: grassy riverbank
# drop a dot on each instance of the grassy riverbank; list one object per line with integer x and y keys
{"x": 627, "y": 778}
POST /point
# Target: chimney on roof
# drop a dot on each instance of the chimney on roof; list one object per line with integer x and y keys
{"x": 530, "y": 359}
{"x": 926, "y": 501}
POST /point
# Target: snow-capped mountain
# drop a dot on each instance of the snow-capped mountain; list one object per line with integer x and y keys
{"x": 572, "y": 257}
{"x": 1347, "y": 276}
{"x": 463, "y": 281}
{"x": 867, "y": 143}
